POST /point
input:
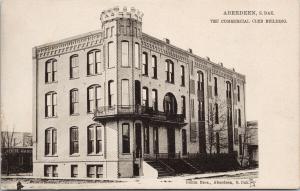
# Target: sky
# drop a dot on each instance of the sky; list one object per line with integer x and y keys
{"x": 268, "y": 54}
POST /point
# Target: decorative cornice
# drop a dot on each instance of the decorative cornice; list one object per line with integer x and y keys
{"x": 116, "y": 12}
{"x": 69, "y": 45}
{"x": 163, "y": 48}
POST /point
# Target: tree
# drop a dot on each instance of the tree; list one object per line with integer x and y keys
{"x": 247, "y": 135}
{"x": 8, "y": 141}
{"x": 217, "y": 136}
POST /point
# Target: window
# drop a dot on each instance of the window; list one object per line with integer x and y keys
{"x": 51, "y": 104}
{"x": 240, "y": 144}
{"x": 228, "y": 90}
{"x": 146, "y": 139}
{"x": 236, "y": 136}
{"x": 218, "y": 142}
{"x": 74, "y": 101}
{"x": 169, "y": 71}
{"x": 145, "y": 100}
{"x": 50, "y": 141}
{"x": 238, "y": 89}
{"x": 95, "y": 139}
{"x": 94, "y": 62}
{"x": 137, "y": 55}
{"x": 50, "y": 71}
{"x": 74, "y": 171}
{"x": 94, "y": 98}
{"x": 74, "y": 67}
{"x": 155, "y": 140}
{"x": 111, "y": 55}
{"x": 111, "y": 93}
{"x": 193, "y": 132}
{"x": 74, "y": 140}
{"x": 50, "y": 171}
{"x": 200, "y": 81}
{"x": 95, "y": 171}
{"x": 154, "y": 100}
{"x": 216, "y": 86}
{"x": 192, "y": 108}
{"x": 125, "y": 92}
{"x": 229, "y": 117}
{"x": 145, "y": 64}
{"x": 183, "y": 106}
{"x": 182, "y": 76}
{"x": 239, "y": 118}
{"x": 125, "y": 138}
{"x": 125, "y": 53}
{"x": 154, "y": 66}
{"x": 216, "y": 113}
{"x": 201, "y": 111}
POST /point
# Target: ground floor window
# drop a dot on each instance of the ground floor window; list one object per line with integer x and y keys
{"x": 95, "y": 171}
{"x": 50, "y": 171}
{"x": 74, "y": 171}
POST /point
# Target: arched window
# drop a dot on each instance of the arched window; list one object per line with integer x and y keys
{"x": 95, "y": 139}
{"x": 238, "y": 89}
{"x": 216, "y": 86}
{"x": 93, "y": 97}
{"x": 169, "y": 71}
{"x": 50, "y": 104}
{"x": 216, "y": 113}
{"x": 200, "y": 81}
{"x": 125, "y": 53}
{"x": 111, "y": 93}
{"x": 94, "y": 62}
{"x": 74, "y": 140}
{"x": 154, "y": 66}
{"x": 74, "y": 101}
{"x": 145, "y": 63}
{"x": 182, "y": 75}
{"x": 137, "y": 55}
{"x": 74, "y": 66}
{"x": 228, "y": 90}
{"x": 50, "y": 141}
{"x": 50, "y": 71}
{"x": 170, "y": 104}
{"x": 145, "y": 98}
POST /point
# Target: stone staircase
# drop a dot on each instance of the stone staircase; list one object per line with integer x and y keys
{"x": 161, "y": 168}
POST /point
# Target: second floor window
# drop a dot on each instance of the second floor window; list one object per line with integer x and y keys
{"x": 74, "y": 140}
{"x": 111, "y": 55}
{"x": 125, "y": 92}
{"x": 94, "y": 62}
{"x": 95, "y": 139}
{"x": 216, "y": 113}
{"x": 182, "y": 75}
{"x": 169, "y": 71}
{"x": 200, "y": 81}
{"x": 238, "y": 96}
{"x": 111, "y": 93}
{"x": 125, "y": 53}
{"x": 183, "y": 106}
{"x": 51, "y": 104}
{"x": 74, "y": 67}
{"x": 154, "y": 66}
{"x": 50, "y": 71}
{"x": 215, "y": 86}
{"x": 50, "y": 141}
{"x": 74, "y": 101}
{"x": 136, "y": 55}
{"x": 145, "y": 100}
{"x": 94, "y": 98}
{"x": 145, "y": 63}
{"x": 154, "y": 100}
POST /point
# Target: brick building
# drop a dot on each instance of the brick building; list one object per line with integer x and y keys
{"x": 108, "y": 102}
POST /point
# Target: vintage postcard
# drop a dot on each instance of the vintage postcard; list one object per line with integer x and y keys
{"x": 165, "y": 94}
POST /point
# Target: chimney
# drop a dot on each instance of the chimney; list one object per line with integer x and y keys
{"x": 207, "y": 58}
{"x": 190, "y": 50}
{"x": 233, "y": 69}
{"x": 167, "y": 40}
{"x": 221, "y": 63}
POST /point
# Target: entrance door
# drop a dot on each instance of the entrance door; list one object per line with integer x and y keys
{"x": 138, "y": 140}
{"x": 171, "y": 141}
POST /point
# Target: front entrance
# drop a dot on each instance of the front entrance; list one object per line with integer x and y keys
{"x": 171, "y": 141}
{"x": 138, "y": 140}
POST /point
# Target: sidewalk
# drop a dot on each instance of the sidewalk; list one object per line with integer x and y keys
{"x": 166, "y": 182}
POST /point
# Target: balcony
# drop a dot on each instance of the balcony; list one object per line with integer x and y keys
{"x": 106, "y": 113}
